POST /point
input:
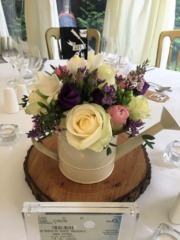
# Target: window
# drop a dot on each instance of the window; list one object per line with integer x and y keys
{"x": 15, "y": 18}
{"x": 176, "y": 42}
{"x": 83, "y": 13}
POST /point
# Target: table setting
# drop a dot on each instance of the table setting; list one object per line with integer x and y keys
{"x": 158, "y": 203}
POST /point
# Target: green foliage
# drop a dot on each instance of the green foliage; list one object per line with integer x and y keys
{"x": 25, "y": 100}
{"x": 15, "y": 18}
{"x": 123, "y": 98}
{"x": 90, "y": 17}
{"x": 148, "y": 143}
{"x": 108, "y": 151}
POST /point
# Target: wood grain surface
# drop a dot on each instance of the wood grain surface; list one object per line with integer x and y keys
{"x": 129, "y": 179}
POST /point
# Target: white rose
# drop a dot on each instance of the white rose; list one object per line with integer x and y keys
{"x": 94, "y": 61}
{"x": 47, "y": 85}
{"x": 88, "y": 126}
{"x": 33, "y": 108}
{"x": 74, "y": 63}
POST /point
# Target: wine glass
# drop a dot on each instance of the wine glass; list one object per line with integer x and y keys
{"x": 12, "y": 53}
{"x": 107, "y": 48}
{"x": 110, "y": 50}
{"x": 115, "y": 52}
{"x": 32, "y": 61}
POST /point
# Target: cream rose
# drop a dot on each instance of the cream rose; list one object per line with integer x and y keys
{"x": 88, "y": 126}
{"x": 76, "y": 62}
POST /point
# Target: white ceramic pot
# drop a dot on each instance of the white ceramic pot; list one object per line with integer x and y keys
{"x": 85, "y": 166}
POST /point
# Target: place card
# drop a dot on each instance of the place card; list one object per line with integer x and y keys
{"x": 79, "y": 221}
{"x": 156, "y": 96}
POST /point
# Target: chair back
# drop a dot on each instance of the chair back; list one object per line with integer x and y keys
{"x": 172, "y": 34}
{"x": 55, "y": 32}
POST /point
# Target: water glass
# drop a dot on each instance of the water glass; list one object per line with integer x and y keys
{"x": 124, "y": 62}
{"x": 9, "y": 133}
{"x": 32, "y": 62}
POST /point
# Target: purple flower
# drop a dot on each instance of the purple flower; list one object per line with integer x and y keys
{"x": 134, "y": 126}
{"x": 69, "y": 96}
{"x": 97, "y": 96}
{"x": 36, "y": 131}
{"x": 145, "y": 88}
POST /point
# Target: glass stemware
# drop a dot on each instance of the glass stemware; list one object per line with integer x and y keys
{"x": 12, "y": 53}
{"x": 107, "y": 48}
{"x": 32, "y": 61}
{"x": 125, "y": 61}
{"x": 110, "y": 50}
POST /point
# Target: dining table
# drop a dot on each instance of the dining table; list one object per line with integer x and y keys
{"x": 154, "y": 204}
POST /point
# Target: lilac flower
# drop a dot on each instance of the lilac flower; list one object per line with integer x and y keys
{"x": 83, "y": 69}
{"x": 99, "y": 81}
{"x": 109, "y": 95}
{"x": 134, "y": 125}
{"x": 93, "y": 83}
{"x": 36, "y": 132}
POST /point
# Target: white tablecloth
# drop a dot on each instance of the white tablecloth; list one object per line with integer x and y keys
{"x": 154, "y": 204}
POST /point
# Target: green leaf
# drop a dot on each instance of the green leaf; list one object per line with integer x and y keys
{"x": 143, "y": 146}
{"x": 50, "y": 135}
{"x": 149, "y": 137}
{"x": 41, "y": 95}
{"x": 52, "y": 67}
{"x": 109, "y": 151}
{"x": 42, "y": 105}
{"x": 62, "y": 115}
{"x": 114, "y": 145}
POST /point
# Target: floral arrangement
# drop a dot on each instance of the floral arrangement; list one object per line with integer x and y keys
{"x": 90, "y": 100}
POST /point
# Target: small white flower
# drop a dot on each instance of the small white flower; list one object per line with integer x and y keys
{"x": 94, "y": 61}
{"x": 47, "y": 85}
{"x": 74, "y": 63}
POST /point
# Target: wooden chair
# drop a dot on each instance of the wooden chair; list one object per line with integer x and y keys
{"x": 172, "y": 34}
{"x": 55, "y": 32}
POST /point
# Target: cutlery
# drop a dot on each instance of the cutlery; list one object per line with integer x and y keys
{"x": 150, "y": 68}
{"x": 168, "y": 88}
{"x": 161, "y": 89}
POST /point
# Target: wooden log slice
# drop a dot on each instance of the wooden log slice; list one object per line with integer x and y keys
{"x": 129, "y": 179}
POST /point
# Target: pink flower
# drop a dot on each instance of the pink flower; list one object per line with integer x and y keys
{"x": 58, "y": 130}
{"x": 122, "y": 84}
{"x": 58, "y": 71}
{"x": 140, "y": 86}
{"x": 119, "y": 115}
{"x": 119, "y": 73}
{"x": 133, "y": 85}
{"x": 133, "y": 78}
